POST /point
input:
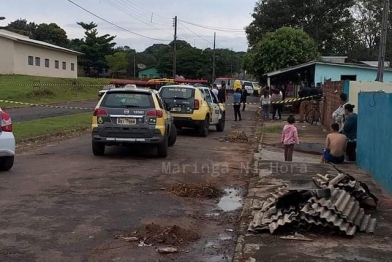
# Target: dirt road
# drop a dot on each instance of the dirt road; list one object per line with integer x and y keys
{"x": 60, "y": 203}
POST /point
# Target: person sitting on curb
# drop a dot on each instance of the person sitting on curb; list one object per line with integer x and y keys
{"x": 335, "y": 146}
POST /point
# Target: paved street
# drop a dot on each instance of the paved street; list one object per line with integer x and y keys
{"x": 60, "y": 203}
{"x": 32, "y": 113}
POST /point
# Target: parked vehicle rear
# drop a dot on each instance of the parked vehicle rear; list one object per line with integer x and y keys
{"x": 7, "y": 142}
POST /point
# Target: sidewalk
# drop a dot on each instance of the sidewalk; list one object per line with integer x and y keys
{"x": 274, "y": 173}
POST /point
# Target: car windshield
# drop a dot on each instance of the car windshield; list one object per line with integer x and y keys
{"x": 177, "y": 93}
{"x": 256, "y": 85}
{"x": 127, "y": 100}
{"x": 248, "y": 84}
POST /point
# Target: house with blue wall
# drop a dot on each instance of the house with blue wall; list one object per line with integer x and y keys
{"x": 319, "y": 72}
{"x": 374, "y": 143}
{"x": 151, "y": 72}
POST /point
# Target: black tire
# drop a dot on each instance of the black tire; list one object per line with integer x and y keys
{"x": 173, "y": 135}
{"x": 313, "y": 116}
{"x": 204, "y": 128}
{"x": 163, "y": 147}
{"x": 98, "y": 149}
{"x": 6, "y": 163}
{"x": 220, "y": 127}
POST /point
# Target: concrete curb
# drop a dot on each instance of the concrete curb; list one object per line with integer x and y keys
{"x": 248, "y": 203}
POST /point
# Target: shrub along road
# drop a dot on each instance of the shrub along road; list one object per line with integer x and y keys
{"x": 60, "y": 203}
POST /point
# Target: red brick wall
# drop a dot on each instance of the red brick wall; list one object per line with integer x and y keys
{"x": 332, "y": 91}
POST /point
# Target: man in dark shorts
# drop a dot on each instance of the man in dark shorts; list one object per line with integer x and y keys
{"x": 335, "y": 146}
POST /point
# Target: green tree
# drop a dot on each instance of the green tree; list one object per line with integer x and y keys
{"x": 283, "y": 48}
{"x": 157, "y": 50}
{"x": 135, "y": 58}
{"x": 95, "y": 48}
{"x": 326, "y": 21}
{"x": 117, "y": 63}
{"x": 21, "y": 26}
{"x": 51, "y": 33}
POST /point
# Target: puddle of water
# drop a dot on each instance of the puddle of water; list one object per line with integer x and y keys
{"x": 231, "y": 201}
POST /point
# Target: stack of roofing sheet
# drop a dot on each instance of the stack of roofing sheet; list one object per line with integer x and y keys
{"x": 338, "y": 211}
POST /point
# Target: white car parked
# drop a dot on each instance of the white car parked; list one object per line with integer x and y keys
{"x": 7, "y": 142}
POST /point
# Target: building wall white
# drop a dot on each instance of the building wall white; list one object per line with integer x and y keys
{"x": 22, "y": 67}
{"x": 356, "y": 87}
{"x": 6, "y": 56}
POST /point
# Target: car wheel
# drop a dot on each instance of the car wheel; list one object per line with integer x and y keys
{"x": 204, "y": 127}
{"x": 163, "y": 147}
{"x": 173, "y": 135}
{"x": 220, "y": 127}
{"x": 98, "y": 149}
{"x": 6, "y": 163}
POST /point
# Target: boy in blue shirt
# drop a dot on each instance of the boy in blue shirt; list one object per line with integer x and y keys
{"x": 237, "y": 104}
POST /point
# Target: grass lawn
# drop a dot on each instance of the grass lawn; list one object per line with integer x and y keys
{"x": 51, "y": 126}
{"x": 32, "y": 89}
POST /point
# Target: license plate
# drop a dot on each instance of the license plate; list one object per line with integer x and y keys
{"x": 126, "y": 121}
{"x": 176, "y": 109}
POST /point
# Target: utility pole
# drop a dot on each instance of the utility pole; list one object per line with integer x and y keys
{"x": 213, "y": 59}
{"x": 175, "y": 49}
{"x": 134, "y": 65}
{"x": 231, "y": 63}
{"x": 383, "y": 42}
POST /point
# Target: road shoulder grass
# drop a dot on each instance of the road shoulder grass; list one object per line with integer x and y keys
{"x": 40, "y": 129}
{"x": 48, "y": 90}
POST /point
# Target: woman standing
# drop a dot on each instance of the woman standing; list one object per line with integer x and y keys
{"x": 276, "y": 97}
{"x": 350, "y": 130}
{"x": 265, "y": 100}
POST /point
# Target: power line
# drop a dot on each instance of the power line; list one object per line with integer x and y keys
{"x": 164, "y": 18}
{"x": 136, "y": 7}
{"x": 190, "y": 30}
{"x": 119, "y": 7}
{"x": 113, "y": 24}
{"x": 142, "y": 13}
{"x": 214, "y": 28}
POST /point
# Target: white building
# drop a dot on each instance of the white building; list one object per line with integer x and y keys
{"x": 24, "y": 56}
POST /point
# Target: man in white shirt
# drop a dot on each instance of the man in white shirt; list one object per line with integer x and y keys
{"x": 215, "y": 90}
{"x": 338, "y": 114}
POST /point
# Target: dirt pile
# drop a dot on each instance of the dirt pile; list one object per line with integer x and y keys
{"x": 206, "y": 190}
{"x": 153, "y": 234}
{"x": 237, "y": 137}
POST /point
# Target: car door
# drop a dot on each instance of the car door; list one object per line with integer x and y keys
{"x": 214, "y": 107}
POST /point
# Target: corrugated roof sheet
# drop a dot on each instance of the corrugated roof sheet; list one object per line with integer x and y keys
{"x": 340, "y": 211}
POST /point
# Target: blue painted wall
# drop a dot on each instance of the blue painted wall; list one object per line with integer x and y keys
{"x": 374, "y": 145}
{"x": 334, "y": 72}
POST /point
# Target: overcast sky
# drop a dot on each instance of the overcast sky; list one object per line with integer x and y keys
{"x": 151, "y": 18}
